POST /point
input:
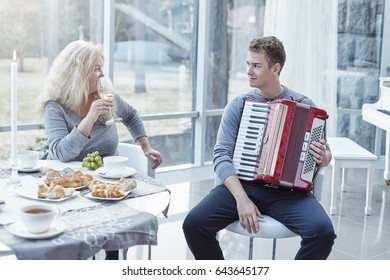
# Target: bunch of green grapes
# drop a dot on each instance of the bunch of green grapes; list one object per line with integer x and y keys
{"x": 92, "y": 161}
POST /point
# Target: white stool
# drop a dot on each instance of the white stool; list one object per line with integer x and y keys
{"x": 269, "y": 228}
{"x": 348, "y": 154}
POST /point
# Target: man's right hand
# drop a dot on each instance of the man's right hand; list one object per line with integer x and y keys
{"x": 248, "y": 213}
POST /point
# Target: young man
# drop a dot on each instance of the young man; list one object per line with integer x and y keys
{"x": 237, "y": 199}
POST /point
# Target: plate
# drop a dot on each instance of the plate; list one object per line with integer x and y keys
{"x": 33, "y": 169}
{"x": 87, "y": 194}
{"x": 102, "y": 171}
{"x": 19, "y": 230}
{"x": 34, "y": 195}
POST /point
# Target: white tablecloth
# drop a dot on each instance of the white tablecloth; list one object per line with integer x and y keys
{"x": 90, "y": 225}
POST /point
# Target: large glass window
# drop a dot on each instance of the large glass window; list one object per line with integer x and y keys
{"x": 153, "y": 69}
{"x": 180, "y": 61}
{"x": 36, "y": 30}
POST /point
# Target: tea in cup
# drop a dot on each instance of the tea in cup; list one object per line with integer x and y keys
{"x": 115, "y": 165}
{"x": 38, "y": 218}
{"x": 28, "y": 159}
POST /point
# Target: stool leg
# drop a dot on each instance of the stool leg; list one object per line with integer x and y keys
{"x": 123, "y": 254}
{"x": 343, "y": 178}
{"x": 149, "y": 252}
{"x": 250, "y": 248}
{"x": 273, "y": 248}
{"x": 370, "y": 177}
{"x": 335, "y": 184}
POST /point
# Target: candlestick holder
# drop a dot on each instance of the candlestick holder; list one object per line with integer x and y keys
{"x": 14, "y": 180}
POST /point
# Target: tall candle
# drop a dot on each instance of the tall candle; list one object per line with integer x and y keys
{"x": 14, "y": 110}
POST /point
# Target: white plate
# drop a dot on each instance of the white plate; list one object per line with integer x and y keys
{"x": 34, "y": 195}
{"x": 19, "y": 230}
{"x": 90, "y": 196}
{"x": 33, "y": 169}
{"x": 102, "y": 171}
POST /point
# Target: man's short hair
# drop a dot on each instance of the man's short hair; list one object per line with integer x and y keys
{"x": 272, "y": 48}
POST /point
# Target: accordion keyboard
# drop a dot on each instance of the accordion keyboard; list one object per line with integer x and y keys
{"x": 249, "y": 139}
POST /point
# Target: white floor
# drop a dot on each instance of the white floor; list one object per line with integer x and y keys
{"x": 359, "y": 237}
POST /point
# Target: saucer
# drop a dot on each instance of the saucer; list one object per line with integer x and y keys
{"x": 19, "y": 230}
{"x": 103, "y": 173}
{"x": 33, "y": 169}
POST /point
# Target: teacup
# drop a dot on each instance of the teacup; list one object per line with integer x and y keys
{"x": 38, "y": 218}
{"x": 28, "y": 159}
{"x": 115, "y": 165}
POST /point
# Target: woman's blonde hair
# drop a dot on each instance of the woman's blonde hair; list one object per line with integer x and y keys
{"x": 68, "y": 79}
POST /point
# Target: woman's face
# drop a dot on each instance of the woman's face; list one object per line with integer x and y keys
{"x": 94, "y": 78}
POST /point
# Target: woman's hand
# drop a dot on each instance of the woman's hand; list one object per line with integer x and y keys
{"x": 155, "y": 156}
{"x": 99, "y": 107}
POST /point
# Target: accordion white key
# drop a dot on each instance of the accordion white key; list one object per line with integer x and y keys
{"x": 273, "y": 142}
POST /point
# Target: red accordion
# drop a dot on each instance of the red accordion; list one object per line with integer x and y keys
{"x": 273, "y": 142}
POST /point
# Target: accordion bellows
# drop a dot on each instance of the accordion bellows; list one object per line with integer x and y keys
{"x": 273, "y": 143}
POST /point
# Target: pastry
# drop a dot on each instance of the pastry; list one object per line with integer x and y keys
{"x": 42, "y": 190}
{"x": 68, "y": 181}
{"x": 127, "y": 184}
{"x": 54, "y": 191}
{"x": 86, "y": 179}
{"x": 108, "y": 191}
{"x": 111, "y": 189}
{"x": 51, "y": 175}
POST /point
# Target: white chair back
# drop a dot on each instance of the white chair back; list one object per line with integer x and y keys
{"x": 137, "y": 159}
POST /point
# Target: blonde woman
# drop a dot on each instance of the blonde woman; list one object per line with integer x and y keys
{"x": 74, "y": 113}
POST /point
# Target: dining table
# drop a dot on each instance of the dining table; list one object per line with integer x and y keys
{"x": 85, "y": 224}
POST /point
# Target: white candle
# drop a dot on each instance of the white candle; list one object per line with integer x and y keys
{"x": 14, "y": 110}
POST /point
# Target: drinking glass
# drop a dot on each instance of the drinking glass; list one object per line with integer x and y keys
{"x": 114, "y": 119}
{"x": 108, "y": 96}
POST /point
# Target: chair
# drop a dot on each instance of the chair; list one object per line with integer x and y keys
{"x": 141, "y": 164}
{"x": 137, "y": 159}
{"x": 269, "y": 228}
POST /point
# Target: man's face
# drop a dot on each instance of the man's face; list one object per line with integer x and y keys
{"x": 258, "y": 71}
